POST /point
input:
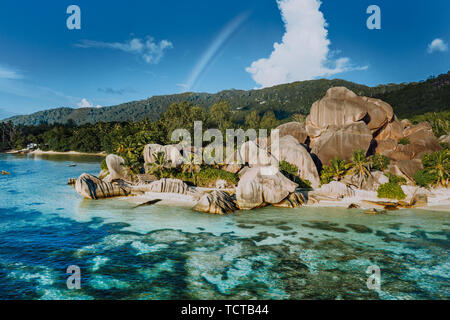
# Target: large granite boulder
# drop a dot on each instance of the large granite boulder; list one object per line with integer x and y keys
{"x": 294, "y": 200}
{"x": 405, "y": 168}
{"x": 172, "y": 154}
{"x": 117, "y": 170}
{"x": 294, "y": 129}
{"x": 420, "y": 140}
{"x": 256, "y": 156}
{"x": 168, "y": 186}
{"x": 392, "y": 130}
{"x": 258, "y": 188}
{"x": 335, "y": 189}
{"x": 217, "y": 202}
{"x": 91, "y": 187}
{"x": 341, "y": 142}
{"x": 290, "y": 150}
{"x": 371, "y": 183}
{"x": 379, "y": 113}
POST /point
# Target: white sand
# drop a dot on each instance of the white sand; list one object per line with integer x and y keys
{"x": 38, "y": 152}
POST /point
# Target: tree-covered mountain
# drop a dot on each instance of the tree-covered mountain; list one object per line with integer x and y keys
{"x": 407, "y": 99}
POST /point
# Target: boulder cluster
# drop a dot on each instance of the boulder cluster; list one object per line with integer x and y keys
{"x": 338, "y": 125}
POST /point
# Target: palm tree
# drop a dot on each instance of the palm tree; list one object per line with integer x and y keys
{"x": 189, "y": 166}
{"x": 438, "y": 164}
{"x": 335, "y": 171}
{"x": 360, "y": 166}
{"x": 157, "y": 167}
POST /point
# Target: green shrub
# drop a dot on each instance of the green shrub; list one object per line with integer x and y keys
{"x": 208, "y": 176}
{"x": 103, "y": 165}
{"x": 438, "y": 164}
{"x": 425, "y": 179}
{"x": 391, "y": 191}
{"x": 396, "y": 179}
{"x": 379, "y": 162}
{"x": 335, "y": 171}
{"x": 404, "y": 141}
{"x": 290, "y": 171}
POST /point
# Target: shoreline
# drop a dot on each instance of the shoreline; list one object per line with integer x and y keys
{"x": 51, "y": 152}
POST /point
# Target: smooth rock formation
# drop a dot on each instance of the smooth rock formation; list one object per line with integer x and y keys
{"x": 371, "y": 183}
{"x": 294, "y": 129}
{"x": 405, "y": 169}
{"x": 117, "y": 170}
{"x": 167, "y": 185}
{"x": 172, "y": 154}
{"x": 341, "y": 142}
{"x": 256, "y": 189}
{"x": 293, "y": 152}
{"x": 256, "y": 156}
{"x": 444, "y": 139}
{"x": 91, "y": 187}
{"x": 335, "y": 189}
{"x": 294, "y": 200}
{"x": 217, "y": 202}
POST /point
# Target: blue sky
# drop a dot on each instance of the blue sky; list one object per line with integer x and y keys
{"x": 136, "y": 49}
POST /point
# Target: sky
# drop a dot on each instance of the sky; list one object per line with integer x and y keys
{"x": 132, "y": 50}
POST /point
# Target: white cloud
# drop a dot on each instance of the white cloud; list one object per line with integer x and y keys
{"x": 303, "y": 53}
{"x": 437, "y": 45}
{"x": 150, "y": 50}
{"x": 7, "y": 73}
{"x": 86, "y": 104}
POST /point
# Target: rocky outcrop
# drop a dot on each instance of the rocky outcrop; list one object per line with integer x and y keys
{"x": 256, "y": 156}
{"x": 167, "y": 185}
{"x": 172, "y": 153}
{"x": 233, "y": 162}
{"x": 91, "y": 187}
{"x": 290, "y": 150}
{"x": 217, "y": 202}
{"x": 294, "y": 200}
{"x": 256, "y": 188}
{"x": 405, "y": 168}
{"x": 117, "y": 170}
{"x": 419, "y": 139}
{"x": 341, "y": 142}
{"x": 444, "y": 139}
{"x": 335, "y": 189}
{"x": 294, "y": 129}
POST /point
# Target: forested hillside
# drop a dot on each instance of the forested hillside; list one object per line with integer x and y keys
{"x": 284, "y": 100}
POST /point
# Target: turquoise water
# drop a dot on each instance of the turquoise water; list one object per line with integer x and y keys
{"x": 160, "y": 252}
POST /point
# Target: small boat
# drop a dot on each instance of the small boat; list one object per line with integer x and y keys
{"x": 72, "y": 165}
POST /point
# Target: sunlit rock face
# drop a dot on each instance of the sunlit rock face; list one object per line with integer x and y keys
{"x": 216, "y": 202}
{"x": 343, "y": 122}
{"x": 419, "y": 140}
{"x": 91, "y": 187}
{"x": 294, "y": 129}
{"x": 173, "y": 157}
{"x": 341, "y": 142}
{"x": 118, "y": 170}
{"x": 259, "y": 187}
{"x": 290, "y": 150}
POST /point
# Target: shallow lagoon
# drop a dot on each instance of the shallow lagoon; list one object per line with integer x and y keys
{"x": 161, "y": 252}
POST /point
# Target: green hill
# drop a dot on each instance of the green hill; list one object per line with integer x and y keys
{"x": 407, "y": 99}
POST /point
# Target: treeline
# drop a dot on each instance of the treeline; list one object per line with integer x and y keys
{"x": 129, "y": 138}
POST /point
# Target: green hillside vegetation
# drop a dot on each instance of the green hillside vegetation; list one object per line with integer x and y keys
{"x": 284, "y": 101}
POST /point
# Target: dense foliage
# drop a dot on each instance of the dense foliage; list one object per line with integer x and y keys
{"x": 391, "y": 190}
{"x": 437, "y": 165}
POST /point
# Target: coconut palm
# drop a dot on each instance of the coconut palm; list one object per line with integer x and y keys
{"x": 190, "y": 166}
{"x": 335, "y": 171}
{"x": 158, "y": 166}
{"x": 438, "y": 164}
{"x": 360, "y": 166}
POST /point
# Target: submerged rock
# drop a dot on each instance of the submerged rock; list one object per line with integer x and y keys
{"x": 374, "y": 211}
{"x": 91, "y": 187}
{"x": 217, "y": 202}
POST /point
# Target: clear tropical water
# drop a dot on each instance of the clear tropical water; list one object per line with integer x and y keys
{"x": 160, "y": 252}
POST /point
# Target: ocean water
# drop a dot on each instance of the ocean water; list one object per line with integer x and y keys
{"x": 161, "y": 252}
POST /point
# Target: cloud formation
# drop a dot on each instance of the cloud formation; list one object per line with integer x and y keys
{"x": 7, "y": 73}
{"x": 116, "y": 91}
{"x": 303, "y": 53}
{"x": 150, "y": 50}
{"x": 86, "y": 104}
{"x": 437, "y": 45}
